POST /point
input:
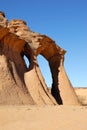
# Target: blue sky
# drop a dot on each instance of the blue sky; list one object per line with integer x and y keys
{"x": 65, "y": 21}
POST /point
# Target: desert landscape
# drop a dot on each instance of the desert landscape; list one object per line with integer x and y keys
{"x": 26, "y": 103}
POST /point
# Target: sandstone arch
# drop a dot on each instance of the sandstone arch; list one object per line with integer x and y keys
{"x": 55, "y": 56}
{"x": 26, "y": 85}
{"x": 12, "y": 86}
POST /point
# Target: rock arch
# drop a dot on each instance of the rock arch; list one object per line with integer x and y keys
{"x": 12, "y": 69}
{"x": 26, "y": 85}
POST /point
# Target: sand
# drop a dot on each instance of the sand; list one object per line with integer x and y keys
{"x": 43, "y": 117}
{"x": 82, "y": 95}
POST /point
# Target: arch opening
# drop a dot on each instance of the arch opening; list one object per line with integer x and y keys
{"x": 45, "y": 70}
{"x": 27, "y": 62}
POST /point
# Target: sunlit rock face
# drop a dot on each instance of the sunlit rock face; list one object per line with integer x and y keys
{"x": 20, "y": 84}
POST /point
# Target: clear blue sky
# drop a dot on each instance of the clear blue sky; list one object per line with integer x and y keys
{"x": 65, "y": 21}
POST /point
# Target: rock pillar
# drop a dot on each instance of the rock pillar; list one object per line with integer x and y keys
{"x": 62, "y": 89}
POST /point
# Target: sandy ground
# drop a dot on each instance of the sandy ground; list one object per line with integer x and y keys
{"x": 82, "y": 95}
{"x": 43, "y": 117}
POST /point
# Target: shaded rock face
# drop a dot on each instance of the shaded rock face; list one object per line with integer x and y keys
{"x": 20, "y": 84}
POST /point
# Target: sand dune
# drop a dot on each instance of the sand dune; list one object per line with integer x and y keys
{"x": 82, "y": 95}
{"x": 43, "y": 117}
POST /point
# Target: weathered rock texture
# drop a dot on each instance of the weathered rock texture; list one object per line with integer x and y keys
{"x": 20, "y": 84}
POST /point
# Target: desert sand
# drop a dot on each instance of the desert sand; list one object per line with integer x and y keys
{"x": 82, "y": 94}
{"x": 43, "y": 117}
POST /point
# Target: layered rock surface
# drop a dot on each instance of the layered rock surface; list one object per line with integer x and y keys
{"x": 20, "y": 84}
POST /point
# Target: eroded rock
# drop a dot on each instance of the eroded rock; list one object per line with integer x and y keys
{"x": 20, "y": 84}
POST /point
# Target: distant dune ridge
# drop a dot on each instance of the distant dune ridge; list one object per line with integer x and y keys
{"x": 81, "y": 92}
{"x": 20, "y": 84}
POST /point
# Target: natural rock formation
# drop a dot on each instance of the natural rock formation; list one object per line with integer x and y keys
{"x": 20, "y": 84}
